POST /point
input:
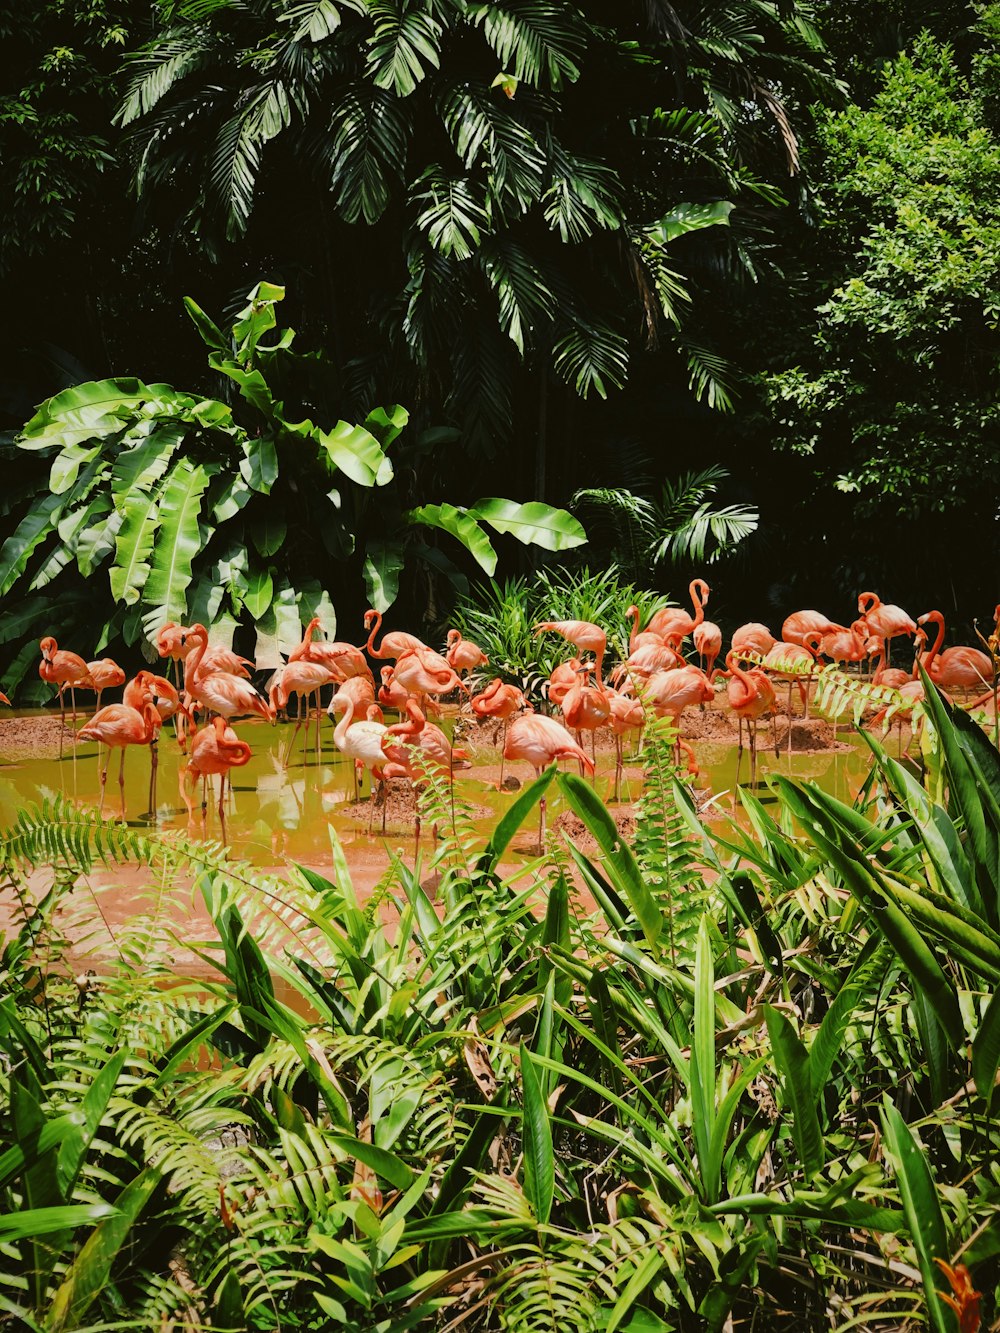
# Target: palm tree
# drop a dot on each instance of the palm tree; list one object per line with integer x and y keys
{"x": 497, "y": 197}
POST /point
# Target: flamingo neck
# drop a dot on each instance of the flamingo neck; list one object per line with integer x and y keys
{"x": 938, "y": 619}
{"x": 192, "y": 663}
{"x": 635, "y": 628}
{"x": 699, "y": 606}
{"x": 871, "y": 598}
{"x": 370, "y": 645}
{"x": 340, "y": 730}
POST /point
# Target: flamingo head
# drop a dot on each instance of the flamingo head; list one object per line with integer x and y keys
{"x": 867, "y": 601}
{"x": 370, "y": 615}
{"x": 48, "y": 647}
{"x": 454, "y": 635}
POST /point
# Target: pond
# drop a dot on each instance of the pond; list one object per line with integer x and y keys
{"x": 283, "y": 803}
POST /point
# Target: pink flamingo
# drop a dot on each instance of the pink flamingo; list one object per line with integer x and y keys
{"x": 792, "y": 661}
{"x": 463, "y": 654}
{"x": 417, "y": 677}
{"x": 801, "y": 623}
{"x": 753, "y": 638}
{"x": 646, "y": 660}
{"x": 668, "y": 693}
{"x": 343, "y": 660}
{"x": 562, "y": 679}
{"x": 626, "y": 716}
{"x": 542, "y": 741}
{"x": 708, "y": 645}
{"x": 501, "y": 701}
{"x": 61, "y": 667}
{"x": 106, "y": 674}
{"x": 637, "y": 639}
{"x": 305, "y": 679}
{"x": 229, "y": 696}
{"x": 673, "y": 623}
{"x": 959, "y": 668}
{"x": 583, "y": 634}
{"x": 214, "y": 749}
{"x": 586, "y": 708}
{"x": 436, "y": 752}
{"x": 393, "y": 644}
{"x": 751, "y": 695}
{"x": 892, "y": 677}
{"x": 840, "y": 646}
{"x": 884, "y": 620}
{"x": 118, "y": 726}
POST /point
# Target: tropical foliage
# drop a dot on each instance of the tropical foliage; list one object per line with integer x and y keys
{"x": 764, "y": 1090}
{"x": 206, "y": 510}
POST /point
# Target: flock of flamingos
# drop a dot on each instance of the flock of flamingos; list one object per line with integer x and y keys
{"x": 655, "y": 675}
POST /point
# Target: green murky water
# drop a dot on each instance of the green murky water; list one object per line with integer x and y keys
{"x": 282, "y": 804}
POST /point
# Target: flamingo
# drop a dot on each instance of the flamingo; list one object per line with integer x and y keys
{"x": 801, "y": 623}
{"x": 392, "y": 695}
{"x": 751, "y": 695}
{"x": 668, "y": 693}
{"x": 584, "y": 634}
{"x": 230, "y": 696}
{"x": 542, "y": 741}
{"x": 626, "y": 716}
{"x": 892, "y": 677}
{"x": 214, "y": 749}
{"x": 362, "y": 742}
{"x": 174, "y": 641}
{"x": 753, "y": 638}
{"x": 393, "y": 644}
{"x": 638, "y": 639}
{"x": 586, "y": 708}
{"x": 884, "y": 619}
{"x": 913, "y": 693}
{"x": 106, "y": 674}
{"x": 959, "y": 668}
{"x": 501, "y": 701}
{"x": 463, "y": 654}
{"x": 5, "y": 700}
{"x": 344, "y": 660}
{"x": 167, "y": 703}
{"x": 436, "y": 752}
{"x": 118, "y": 726}
{"x": 675, "y": 624}
{"x": 646, "y": 660}
{"x": 61, "y": 667}
{"x": 792, "y": 661}
{"x": 417, "y": 677}
{"x": 304, "y": 679}
{"x": 562, "y": 679}
{"x": 840, "y": 646}
{"x": 708, "y": 645}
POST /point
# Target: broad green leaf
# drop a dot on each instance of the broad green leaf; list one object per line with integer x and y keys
{"x": 138, "y": 468}
{"x": 382, "y": 568}
{"x": 252, "y": 386}
{"x": 134, "y": 545}
{"x": 460, "y": 525}
{"x": 66, "y": 466}
{"x": 792, "y": 1060}
{"x": 232, "y": 496}
{"x": 386, "y": 423}
{"x": 352, "y": 449}
{"x": 702, "y": 1078}
{"x": 73, "y": 1148}
{"x": 512, "y": 818}
{"x": 19, "y": 547}
{"x": 259, "y": 468}
{"x": 619, "y": 859}
{"x": 88, "y": 1273}
{"x": 256, "y": 318}
{"x": 268, "y": 532}
{"x": 534, "y": 523}
{"x": 259, "y": 591}
{"x": 986, "y": 1050}
{"x": 690, "y": 217}
{"x": 211, "y": 335}
{"x": 922, "y": 1209}
{"x": 539, "y": 1160}
{"x": 177, "y": 543}
{"x": 33, "y": 1222}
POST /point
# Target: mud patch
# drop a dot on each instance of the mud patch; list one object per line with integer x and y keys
{"x": 34, "y": 737}
{"x": 575, "y": 829}
{"x": 400, "y": 805}
{"x": 810, "y": 735}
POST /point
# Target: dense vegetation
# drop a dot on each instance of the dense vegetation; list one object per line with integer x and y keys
{"x": 755, "y": 1074}
{"x": 585, "y": 247}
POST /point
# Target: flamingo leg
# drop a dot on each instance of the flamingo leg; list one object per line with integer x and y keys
{"x": 291, "y": 743}
{"x": 503, "y": 746}
{"x": 618, "y": 768}
{"x": 739, "y": 751}
{"x": 62, "y": 718}
{"x": 121, "y": 780}
{"x": 104, "y": 783}
{"x": 154, "y": 759}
